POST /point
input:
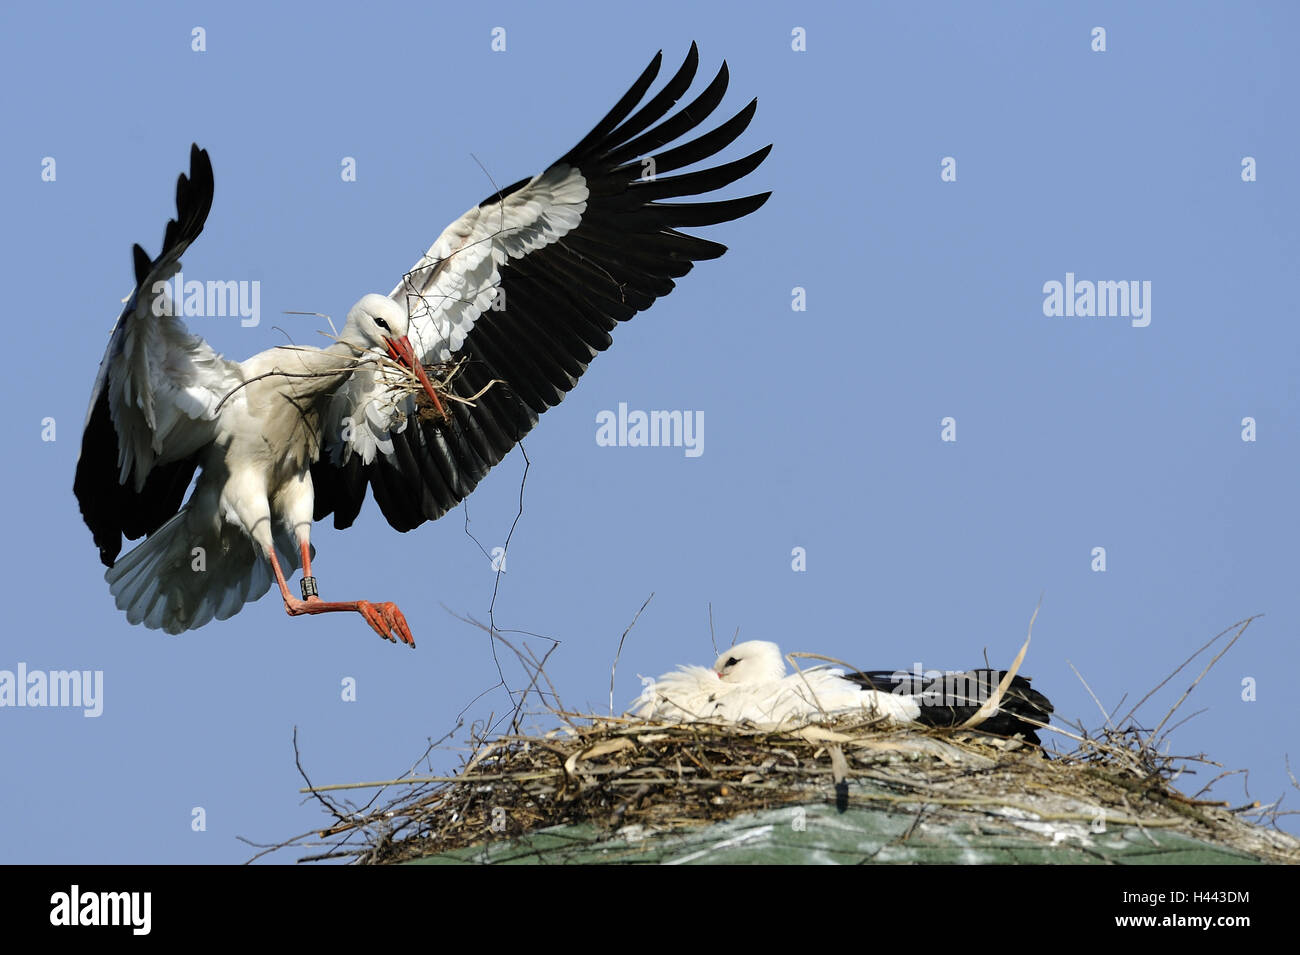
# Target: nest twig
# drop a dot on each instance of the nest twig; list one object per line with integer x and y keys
{"x": 620, "y": 777}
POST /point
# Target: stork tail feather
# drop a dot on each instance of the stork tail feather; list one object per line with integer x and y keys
{"x": 189, "y": 572}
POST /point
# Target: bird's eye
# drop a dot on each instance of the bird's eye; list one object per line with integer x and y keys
{"x": 382, "y": 324}
{"x": 731, "y": 662}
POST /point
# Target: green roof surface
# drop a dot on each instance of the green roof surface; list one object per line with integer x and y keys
{"x": 819, "y": 834}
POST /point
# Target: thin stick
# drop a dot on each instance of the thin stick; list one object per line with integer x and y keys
{"x": 1104, "y": 715}
{"x": 1237, "y": 636}
{"x": 614, "y": 669}
{"x": 289, "y": 311}
{"x": 1207, "y": 644}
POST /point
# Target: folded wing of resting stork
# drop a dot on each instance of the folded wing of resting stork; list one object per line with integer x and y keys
{"x": 749, "y": 683}
{"x": 424, "y": 390}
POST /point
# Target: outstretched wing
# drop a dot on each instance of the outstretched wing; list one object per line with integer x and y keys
{"x": 154, "y": 401}
{"x": 516, "y": 297}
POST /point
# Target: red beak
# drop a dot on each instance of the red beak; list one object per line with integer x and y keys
{"x": 401, "y": 351}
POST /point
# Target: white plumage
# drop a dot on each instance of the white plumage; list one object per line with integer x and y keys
{"x": 448, "y": 291}
{"x": 507, "y": 309}
{"x": 251, "y": 510}
{"x": 749, "y": 683}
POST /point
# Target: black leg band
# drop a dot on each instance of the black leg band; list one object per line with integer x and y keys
{"x": 309, "y": 587}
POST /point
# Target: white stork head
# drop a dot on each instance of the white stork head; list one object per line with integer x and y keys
{"x": 377, "y": 322}
{"x": 754, "y": 661}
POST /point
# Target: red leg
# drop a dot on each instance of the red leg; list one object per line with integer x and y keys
{"x": 384, "y": 618}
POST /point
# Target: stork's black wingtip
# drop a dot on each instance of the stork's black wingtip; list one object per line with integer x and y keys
{"x": 200, "y": 167}
{"x": 141, "y": 263}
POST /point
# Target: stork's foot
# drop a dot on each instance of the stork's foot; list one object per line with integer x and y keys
{"x": 384, "y": 618}
{"x": 387, "y": 621}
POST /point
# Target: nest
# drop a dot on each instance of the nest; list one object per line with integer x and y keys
{"x": 620, "y": 783}
{"x": 629, "y": 780}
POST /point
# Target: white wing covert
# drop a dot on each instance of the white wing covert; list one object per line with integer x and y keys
{"x": 514, "y": 299}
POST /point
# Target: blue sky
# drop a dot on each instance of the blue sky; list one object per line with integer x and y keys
{"x": 822, "y": 427}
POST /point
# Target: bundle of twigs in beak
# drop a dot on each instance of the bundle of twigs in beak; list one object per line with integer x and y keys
{"x": 439, "y": 377}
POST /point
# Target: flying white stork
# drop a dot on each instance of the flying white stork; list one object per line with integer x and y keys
{"x": 423, "y": 392}
{"x": 748, "y": 683}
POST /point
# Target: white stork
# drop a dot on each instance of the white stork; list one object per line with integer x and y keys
{"x": 296, "y": 433}
{"x": 748, "y": 683}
